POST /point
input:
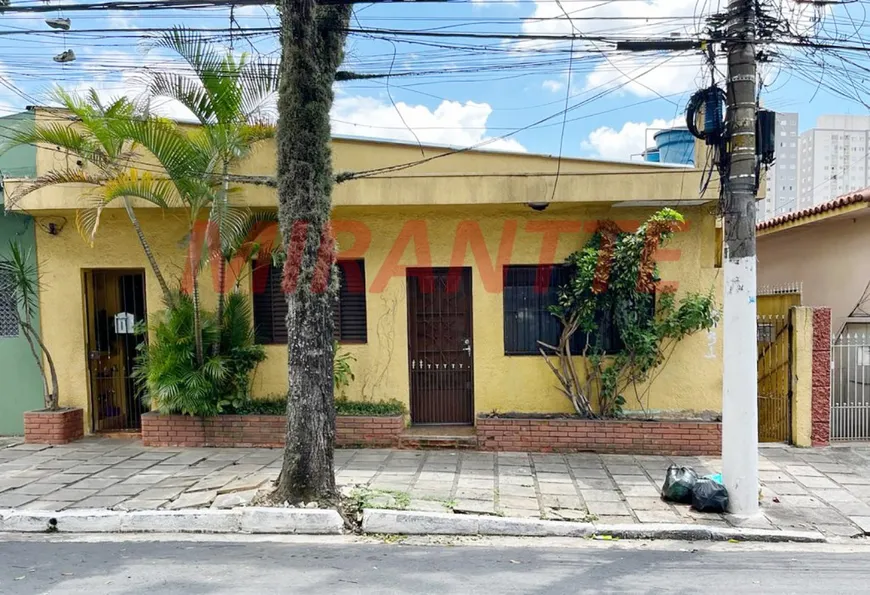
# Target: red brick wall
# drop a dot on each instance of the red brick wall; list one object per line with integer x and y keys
{"x": 53, "y": 427}
{"x": 259, "y": 430}
{"x": 604, "y": 436}
{"x": 821, "y": 399}
{"x": 368, "y": 431}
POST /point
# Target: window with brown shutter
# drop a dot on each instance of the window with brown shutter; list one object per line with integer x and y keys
{"x": 270, "y": 305}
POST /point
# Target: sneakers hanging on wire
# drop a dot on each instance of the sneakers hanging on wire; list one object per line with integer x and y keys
{"x": 58, "y": 23}
{"x": 67, "y": 56}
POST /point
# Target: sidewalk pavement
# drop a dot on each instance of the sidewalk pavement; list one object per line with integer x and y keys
{"x": 803, "y": 489}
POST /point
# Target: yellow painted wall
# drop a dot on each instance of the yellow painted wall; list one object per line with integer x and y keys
{"x": 487, "y": 187}
{"x": 691, "y": 380}
{"x": 469, "y": 177}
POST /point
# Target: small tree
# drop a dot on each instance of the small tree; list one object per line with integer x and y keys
{"x": 612, "y": 285}
{"x": 19, "y": 271}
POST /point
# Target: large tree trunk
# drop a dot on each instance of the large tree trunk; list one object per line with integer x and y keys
{"x": 312, "y": 40}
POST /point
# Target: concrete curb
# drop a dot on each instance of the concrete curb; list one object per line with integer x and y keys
{"x": 238, "y": 520}
{"x": 402, "y": 522}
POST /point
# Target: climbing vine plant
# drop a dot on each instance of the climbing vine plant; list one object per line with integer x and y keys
{"x": 612, "y": 285}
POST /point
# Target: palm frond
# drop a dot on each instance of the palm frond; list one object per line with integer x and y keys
{"x": 184, "y": 161}
{"x": 215, "y": 74}
{"x": 159, "y": 191}
{"x": 60, "y": 135}
{"x": 19, "y": 270}
{"x": 55, "y": 178}
{"x": 96, "y": 119}
{"x": 186, "y": 90}
{"x": 242, "y": 234}
{"x": 258, "y": 83}
{"x": 89, "y": 214}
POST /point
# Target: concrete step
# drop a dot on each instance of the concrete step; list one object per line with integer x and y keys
{"x": 415, "y": 440}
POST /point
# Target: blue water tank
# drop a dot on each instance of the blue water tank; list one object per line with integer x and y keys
{"x": 651, "y": 154}
{"x": 676, "y": 145}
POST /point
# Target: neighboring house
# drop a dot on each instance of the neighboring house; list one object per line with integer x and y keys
{"x": 22, "y": 384}
{"x": 823, "y": 248}
{"x": 449, "y": 345}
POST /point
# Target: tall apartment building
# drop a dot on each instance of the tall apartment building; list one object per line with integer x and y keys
{"x": 782, "y": 178}
{"x": 833, "y": 158}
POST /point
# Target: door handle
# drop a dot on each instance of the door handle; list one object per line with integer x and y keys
{"x": 467, "y": 347}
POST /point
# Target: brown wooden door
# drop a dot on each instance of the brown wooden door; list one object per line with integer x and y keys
{"x": 440, "y": 346}
{"x": 114, "y": 303}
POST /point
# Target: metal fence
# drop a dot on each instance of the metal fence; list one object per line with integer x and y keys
{"x": 850, "y": 384}
{"x": 774, "y": 342}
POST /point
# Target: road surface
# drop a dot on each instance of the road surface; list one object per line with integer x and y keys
{"x": 45, "y": 564}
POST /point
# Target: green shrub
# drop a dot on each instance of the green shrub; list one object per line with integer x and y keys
{"x": 277, "y": 405}
{"x": 364, "y": 408}
{"x": 273, "y": 405}
{"x": 166, "y": 366}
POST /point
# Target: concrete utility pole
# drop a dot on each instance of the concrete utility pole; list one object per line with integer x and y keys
{"x": 740, "y": 382}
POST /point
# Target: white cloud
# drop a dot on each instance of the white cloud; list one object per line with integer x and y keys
{"x": 639, "y": 18}
{"x": 608, "y": 143}
{"x": 451, "y": 123}
{"x": 648, "y": 78}
{"x": 553, "y": 86}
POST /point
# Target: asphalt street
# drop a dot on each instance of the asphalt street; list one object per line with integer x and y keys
{"x": 44, "y": 565}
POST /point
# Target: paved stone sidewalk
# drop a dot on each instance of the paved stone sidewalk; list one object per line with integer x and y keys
{"x": 827, "y": 489}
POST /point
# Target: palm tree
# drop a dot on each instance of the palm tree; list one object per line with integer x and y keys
{"x": 230, "y": 98}
{"x": 184, "y": 156}
{"x": 105, "y": 164}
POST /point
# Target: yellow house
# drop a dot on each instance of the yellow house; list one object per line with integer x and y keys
{"x": 451, "y": 343}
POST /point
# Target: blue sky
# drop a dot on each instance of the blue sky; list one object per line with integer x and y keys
{"x": 473, "y": 94}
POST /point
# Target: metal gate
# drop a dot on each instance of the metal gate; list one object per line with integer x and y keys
{"x": 115, "y": 304}
{"x": 850, "y": 384}
{"x": 440, "y": 346}
{"x": 774, "y": 342}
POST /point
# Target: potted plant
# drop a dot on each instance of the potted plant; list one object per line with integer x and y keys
{"x": 52, "y": 424}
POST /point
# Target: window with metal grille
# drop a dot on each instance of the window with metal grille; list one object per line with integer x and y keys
{"x": 8, "y": 306}
{"x": 270, "y": 304}
{"x": 529, "y": 291}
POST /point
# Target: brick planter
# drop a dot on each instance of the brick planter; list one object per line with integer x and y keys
{"x": 381, "y": 432}
{"x": 53, "y": 427}
{"x": 266, "y": 431}
{"x": 603, "y": 436}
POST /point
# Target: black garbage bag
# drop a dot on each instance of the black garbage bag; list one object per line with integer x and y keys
{"x": 709, "y": 496}
{"x": 678, "y": 485}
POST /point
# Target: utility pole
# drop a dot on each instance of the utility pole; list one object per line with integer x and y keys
{"x": 740, "y": 382}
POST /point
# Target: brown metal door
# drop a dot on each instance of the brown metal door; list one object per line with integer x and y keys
{"x": 774, "y": 340}
{"x": 440, "y": 346}
{"x": 114, "y": 302}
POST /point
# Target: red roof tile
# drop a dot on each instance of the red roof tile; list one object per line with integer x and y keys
{"x": 831, "y": 205}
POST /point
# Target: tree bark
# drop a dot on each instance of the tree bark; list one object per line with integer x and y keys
{"x": 312, "y": 41}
